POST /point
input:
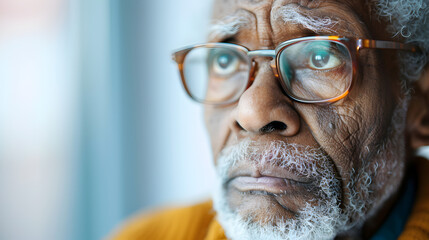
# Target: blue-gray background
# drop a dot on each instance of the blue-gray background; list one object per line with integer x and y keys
{"x": 94, "y": 123}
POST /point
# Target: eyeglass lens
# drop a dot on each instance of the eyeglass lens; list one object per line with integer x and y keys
{"x": 216, "y": 74}
{"x": 316, "y": 70}
{"x": 310, "y": 70}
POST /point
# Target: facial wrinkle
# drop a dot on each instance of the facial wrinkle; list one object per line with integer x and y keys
{"x": 343, "y": 127}
{"x": 262, "y": 24}
{"x": 265, "y": 13}
{"x": 350, "y": 119}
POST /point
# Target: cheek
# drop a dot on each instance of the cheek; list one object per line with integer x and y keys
{"x": 337, "y": 132}
{"x": 350, "y": 132}
{"x": 353, "y": 129}
{"x": 217, "y": 124}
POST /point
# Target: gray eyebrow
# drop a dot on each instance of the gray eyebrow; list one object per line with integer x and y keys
{"x": 292, "y": 14}
{"x": 333, "y": 25}
{"x": 227, "y": 27}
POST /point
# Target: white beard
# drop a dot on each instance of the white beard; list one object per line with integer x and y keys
{"x": 326, "y": 219}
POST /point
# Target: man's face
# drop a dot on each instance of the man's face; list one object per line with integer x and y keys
{"x": 278, "y": 158}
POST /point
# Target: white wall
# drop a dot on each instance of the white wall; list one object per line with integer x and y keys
{"x": 37, "y": 126}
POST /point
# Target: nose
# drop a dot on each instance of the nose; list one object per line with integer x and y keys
{"x": 264, "y": 108}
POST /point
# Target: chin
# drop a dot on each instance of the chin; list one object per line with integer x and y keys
{"x": 262, "y": 216}
{"x": 297, "y": 199}
{"x": 263, "y": 208}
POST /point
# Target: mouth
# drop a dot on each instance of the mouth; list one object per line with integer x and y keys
{"x": 267, "y": 187}
{"x": 268, "y": 184}
{"x": 277, "y": 179}
{"x": 269, "y": 179}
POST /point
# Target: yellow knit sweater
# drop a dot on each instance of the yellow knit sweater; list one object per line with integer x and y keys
{"x": 198, "y": 221}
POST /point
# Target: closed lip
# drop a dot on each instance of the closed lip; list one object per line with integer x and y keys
{"x": 267, "y": 184}
{"x": 268, "y": 171}
{"x": 268, "y": 179}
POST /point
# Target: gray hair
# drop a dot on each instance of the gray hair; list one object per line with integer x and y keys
{"x": 409, "y": 19}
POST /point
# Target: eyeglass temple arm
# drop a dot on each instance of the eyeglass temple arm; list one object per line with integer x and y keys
{"x": 367, "y": 43}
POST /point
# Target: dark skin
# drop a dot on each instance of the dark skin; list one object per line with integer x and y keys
{"x": 356, "y": 123}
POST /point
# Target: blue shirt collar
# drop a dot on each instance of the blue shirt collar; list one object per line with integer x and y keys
{"x": 395, "y": 222}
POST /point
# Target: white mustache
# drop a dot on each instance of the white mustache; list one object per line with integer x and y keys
{"x": 305, "y": 161}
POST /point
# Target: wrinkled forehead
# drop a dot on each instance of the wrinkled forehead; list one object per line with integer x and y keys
{"x": 349, "y": 18}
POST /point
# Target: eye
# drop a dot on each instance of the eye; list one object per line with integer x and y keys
{"x": 225, "y": 63}
{"x": 323, "y": 59}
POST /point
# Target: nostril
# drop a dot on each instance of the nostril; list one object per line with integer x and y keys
{"x": 239, "y": 126}
{"x": 273, "y": 126}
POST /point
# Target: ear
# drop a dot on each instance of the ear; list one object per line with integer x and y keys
{"x": 418, "y": 112}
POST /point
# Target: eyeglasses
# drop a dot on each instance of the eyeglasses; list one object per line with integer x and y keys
{"x": 315, "y": 69}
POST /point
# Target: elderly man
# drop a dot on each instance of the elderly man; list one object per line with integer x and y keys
{"x": 315, "y": 110}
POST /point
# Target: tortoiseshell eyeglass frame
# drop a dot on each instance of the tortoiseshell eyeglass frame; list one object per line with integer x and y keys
{"x": 353, "y": 46}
